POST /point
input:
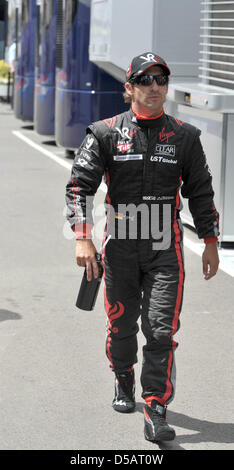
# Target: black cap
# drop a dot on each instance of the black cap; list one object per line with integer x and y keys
{"x": 143, "y": 62}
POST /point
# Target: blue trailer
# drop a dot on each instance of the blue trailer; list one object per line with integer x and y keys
{"x": 44, "y": 102}
{"x": 84, "y": 92}
{"x": 25, "y": 61}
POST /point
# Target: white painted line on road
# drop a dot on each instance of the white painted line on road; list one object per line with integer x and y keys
{"x": 224, "y": 265}
{"x": 46, "y": 152}
{"x": 51, "y": 155}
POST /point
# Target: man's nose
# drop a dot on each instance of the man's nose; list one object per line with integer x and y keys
{"x": 155, "y": 86}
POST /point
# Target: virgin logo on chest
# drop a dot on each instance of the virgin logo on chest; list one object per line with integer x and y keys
{"x": 165, "y": 136}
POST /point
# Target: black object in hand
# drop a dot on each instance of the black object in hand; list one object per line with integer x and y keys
{"x": 89, "y": 289}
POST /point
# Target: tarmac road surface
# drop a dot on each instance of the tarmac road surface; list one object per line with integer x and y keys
{"x": 56, "y": 387}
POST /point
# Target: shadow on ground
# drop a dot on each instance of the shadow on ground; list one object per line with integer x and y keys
{"x": 204, "y": 431}
{"x": 9, "y": 315}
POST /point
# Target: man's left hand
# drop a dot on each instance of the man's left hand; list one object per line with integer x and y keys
{"x": 210, "y": 260}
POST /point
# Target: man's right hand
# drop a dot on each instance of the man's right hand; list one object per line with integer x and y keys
{"x": 85, "y": 256}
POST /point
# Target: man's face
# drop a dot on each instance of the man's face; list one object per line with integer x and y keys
{"x": 148, "y": 98}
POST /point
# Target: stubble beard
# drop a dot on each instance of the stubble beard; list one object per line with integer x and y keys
{"x": 155, "y": 106}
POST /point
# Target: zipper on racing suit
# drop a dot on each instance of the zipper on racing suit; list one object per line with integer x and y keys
{"x": 152, "y": 136}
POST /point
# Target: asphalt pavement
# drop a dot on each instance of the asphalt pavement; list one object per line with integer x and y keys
{"x": 56, "y": 387}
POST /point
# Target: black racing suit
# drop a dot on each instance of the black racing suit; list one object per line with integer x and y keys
{"x": 145, "y": 163}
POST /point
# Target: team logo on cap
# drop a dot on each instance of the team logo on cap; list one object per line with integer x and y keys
{"x": 149, "y": 58}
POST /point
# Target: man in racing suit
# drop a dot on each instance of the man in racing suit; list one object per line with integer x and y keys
{"x": 146, "y": 156}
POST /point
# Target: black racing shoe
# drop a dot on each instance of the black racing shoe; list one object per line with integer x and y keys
{"x": 124, "y": 399}
{"x": 156, "y": 427}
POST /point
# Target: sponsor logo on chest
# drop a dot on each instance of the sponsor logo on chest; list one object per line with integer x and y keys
{"x": 125, "y": 143}
{"x": 164, "y": 153}
{"x": 165, "y": 149}
{"x": 124, "y": 158}
{"x": 157, "y": 158}
{"x": 124, "y": 147}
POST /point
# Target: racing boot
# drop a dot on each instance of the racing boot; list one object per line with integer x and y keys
{"x": 124, "y": 399}
{"x": 156, "y": 427}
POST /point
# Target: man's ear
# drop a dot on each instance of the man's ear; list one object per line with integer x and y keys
{"x": 128, "y": 89}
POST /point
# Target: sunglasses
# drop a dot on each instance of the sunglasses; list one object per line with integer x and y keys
{"x": 147, "y": 80}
